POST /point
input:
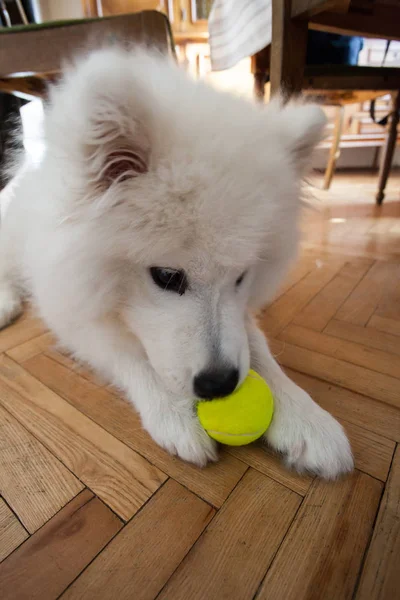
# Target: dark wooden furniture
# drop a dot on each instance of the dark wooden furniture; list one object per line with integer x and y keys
{"x": 285, "y": 63}
{"x": 31, "y": 56}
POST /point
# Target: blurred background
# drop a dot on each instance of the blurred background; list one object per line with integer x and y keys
{"x": 361, "y": 137}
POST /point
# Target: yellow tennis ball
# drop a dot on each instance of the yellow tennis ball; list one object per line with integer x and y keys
{"x": 242, "y": 417}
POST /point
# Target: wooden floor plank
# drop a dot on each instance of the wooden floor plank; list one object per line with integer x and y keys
{"x": 31, "y": 347}
{"x": 326, "y": 303}
{"x": 83, "y": 371}
{"x": 383, "y": 324}
{"x": 33, "y": 481}
{"x": 231, "y": 557}
{"x": 389, "y": 305}
{"x": 140, "y": 560}
{"x": 54, "y": 556}
{"x": 282, "y": 311}
{"x": 349, "y": 406}
{"x": 367, "y": 336}
{"x": 362, "y": 303}
{"x": 351, "y": 352}
{"x": 304, "y": 265}
{"x": 373, "y": 453}
{"x": 349, "y": 269}
{"x": 12, "y": 533}
{"x": 120, "y": 476}
{"x": 48, "y": 345}
{"x": 26, "y": 328}
{"x": 380, "y": 579}
{"x": 117, "y": 416}
{"x": 364, "y": 381}
{"x": 262, "y": 459}
{"x": 322, "y": 553}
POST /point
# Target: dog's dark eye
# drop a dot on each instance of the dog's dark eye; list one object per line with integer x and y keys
{"x": 240, "y": 279}
{"x": 169, "y": 279}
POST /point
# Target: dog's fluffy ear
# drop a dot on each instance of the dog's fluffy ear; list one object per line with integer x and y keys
{"x": 304, "y": 126}
{"x": 98, "y": 118}
{"x": 116, "y": 145}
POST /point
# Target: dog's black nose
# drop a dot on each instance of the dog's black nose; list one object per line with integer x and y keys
{"x": 215, "y": 383}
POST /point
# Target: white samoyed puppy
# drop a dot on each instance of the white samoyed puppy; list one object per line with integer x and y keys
{"x": 162, "y": 216}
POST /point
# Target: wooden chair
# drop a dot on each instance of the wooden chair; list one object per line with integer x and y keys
{"x": 329, "y": 84}
{"x": 381, "y": 83}
{"x": 32, "y": 55}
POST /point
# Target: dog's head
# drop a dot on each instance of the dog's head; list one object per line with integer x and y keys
{"x": 187, "y": 199}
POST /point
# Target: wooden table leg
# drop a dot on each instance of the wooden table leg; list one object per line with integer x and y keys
{"x": 288, "y": 52}
{"x": 389, "y": 148}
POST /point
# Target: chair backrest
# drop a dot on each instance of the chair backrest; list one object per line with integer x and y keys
{"x": 38, "y": 49}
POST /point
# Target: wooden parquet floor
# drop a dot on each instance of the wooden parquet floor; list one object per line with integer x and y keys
{"x": 91, "y": 508}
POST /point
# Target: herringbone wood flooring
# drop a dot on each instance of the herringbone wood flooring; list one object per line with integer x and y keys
{"x": 91, "y": 508}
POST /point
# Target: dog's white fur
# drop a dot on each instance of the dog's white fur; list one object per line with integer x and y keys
{"x": 144, "y": 167}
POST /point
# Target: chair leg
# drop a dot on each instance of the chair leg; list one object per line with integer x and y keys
{"x": 259, "y": 86}
{"x": 260, "y": 64}
{"x": 388, "y": 151}
{"x": 288, "y": 50}
{"x": 334, "y": 152}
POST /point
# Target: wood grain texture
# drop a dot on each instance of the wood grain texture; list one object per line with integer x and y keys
{"x": 317, "y": 314}
{"x": 63, "y": 358}
{"x": 365, "y": 412}
{"x": 117, "y": 416}
{"x": 389, "y": 305}
{"x": 303, "y": 267}
{"x": 262, "y": 459}
{"x": 372, "y": 453}
{"x": 12, "y": 533}
{"x": 364, "y": 381}
{"x": 367, "y": 336}
{"x": 356, "y": 354}
{"x": 383, "y": 324}
{"x": 320, "y": 556}
{"x": 120, "y": 476}
{"x": 26, "y": 328}
{"x": 31, "y": 347}
{"x": 34, "y": 483}
{"x": 235, "y": 551}
{"x": 51, "y": 559}
{"x": 361, "y": 304}
{"x": 282, "y": 311}
{"x": 381, "y": 573}
{"x": 140, "y": 560}
{"x": 245, "y": 527}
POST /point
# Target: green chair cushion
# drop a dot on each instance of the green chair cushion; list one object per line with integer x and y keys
{"x": 47, "y": 25}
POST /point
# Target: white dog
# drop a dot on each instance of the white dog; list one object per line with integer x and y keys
{"x": 162, "y": 215}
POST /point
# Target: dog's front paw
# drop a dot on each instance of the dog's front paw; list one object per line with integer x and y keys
{"x": 310, "y": 438}
{"x": 184, "y": 437}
